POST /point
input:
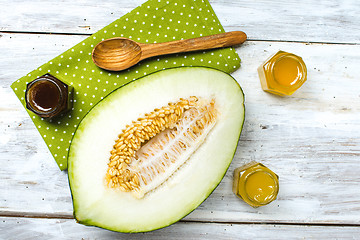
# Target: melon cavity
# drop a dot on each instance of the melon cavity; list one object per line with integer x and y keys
{"x": 153, "y": 150}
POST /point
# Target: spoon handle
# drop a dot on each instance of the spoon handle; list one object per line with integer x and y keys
{"x": 187, "y": 45}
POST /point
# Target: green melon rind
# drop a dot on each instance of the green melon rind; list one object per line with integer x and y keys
{"x": 81, "y": 128}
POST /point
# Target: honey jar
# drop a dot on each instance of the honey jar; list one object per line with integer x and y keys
{"x": 256, "y": 184}
{"x": 48, "y": 97}
{"x": 282, "y": 74}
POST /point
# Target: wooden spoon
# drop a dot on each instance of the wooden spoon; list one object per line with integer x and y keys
{"x": 117, "y": 54}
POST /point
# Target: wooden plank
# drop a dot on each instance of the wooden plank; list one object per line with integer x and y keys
{"x": 310, "y": 139}
{"x": 31, "y": 228}
{"x": 309, "y": 20}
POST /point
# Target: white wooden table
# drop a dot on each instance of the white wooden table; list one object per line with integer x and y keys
{"x": 311, "y": 139}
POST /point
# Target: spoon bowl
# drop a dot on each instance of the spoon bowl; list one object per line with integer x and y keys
{"x": 116, "y": 54}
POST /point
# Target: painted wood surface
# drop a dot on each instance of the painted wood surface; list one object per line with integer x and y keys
{"x": 44, "y": 229}
{"x": 289, "y": 20}
{"x": 311, "y": 139}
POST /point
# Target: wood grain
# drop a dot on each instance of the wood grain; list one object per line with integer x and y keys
{"x": 29, "y": 228}
{"x": 292, "y": 20}
{"x": 226, "y": 39}
{"x": 310, "y": 139}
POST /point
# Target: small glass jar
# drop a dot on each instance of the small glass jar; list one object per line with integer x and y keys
{"x": 256, "y": 184}
{"x": 48, "y": 97}
{"x": 282, "y": 74}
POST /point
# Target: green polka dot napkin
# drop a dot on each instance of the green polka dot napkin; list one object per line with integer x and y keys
{"x": 153, "y": 21}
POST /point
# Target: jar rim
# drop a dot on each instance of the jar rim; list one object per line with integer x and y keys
{"x": 250, "y": 172}
{"x": 275, "y": 185}
{"x": 52, "y": 110}
{"x": 284, "y": 55}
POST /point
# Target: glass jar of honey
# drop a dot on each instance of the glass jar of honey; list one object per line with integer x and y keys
{"x": 256, "y": 184}
{"x": 282, "y": 74}
{"x": 48, "y": 97}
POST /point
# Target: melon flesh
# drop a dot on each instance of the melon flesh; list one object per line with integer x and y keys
{"x": 99, "y": 205}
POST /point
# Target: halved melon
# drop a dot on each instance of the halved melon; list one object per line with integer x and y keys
{"x": 152, "y": 151}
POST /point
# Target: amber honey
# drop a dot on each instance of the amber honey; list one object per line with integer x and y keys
{"x": 44, "y": 96}
{"x": 282, "y": 74}
{"x": 48, "y": 97}
{"x": 256, "y": 184}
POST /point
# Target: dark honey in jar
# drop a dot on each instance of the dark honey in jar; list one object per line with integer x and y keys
{"x": 48, "y": 97}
